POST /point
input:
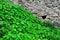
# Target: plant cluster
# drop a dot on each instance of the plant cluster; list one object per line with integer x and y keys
{"x": 16, "y": 23}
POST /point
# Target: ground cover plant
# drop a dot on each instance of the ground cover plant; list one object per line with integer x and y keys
{"x": 16, "y": 23}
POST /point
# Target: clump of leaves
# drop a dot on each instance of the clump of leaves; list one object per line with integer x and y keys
{"x": 48, "y": 23}
{"x": 16, "y": 23}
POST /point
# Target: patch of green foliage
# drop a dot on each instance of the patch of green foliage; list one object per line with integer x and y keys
{"x": 16, "y": 23}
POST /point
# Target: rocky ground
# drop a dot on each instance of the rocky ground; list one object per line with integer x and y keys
{"x": 50, "y": 8}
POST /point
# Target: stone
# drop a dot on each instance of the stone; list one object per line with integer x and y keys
{"x": 51, "y": 8}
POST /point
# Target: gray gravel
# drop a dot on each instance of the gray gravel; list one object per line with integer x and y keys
{"x": 51, "y": 8}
